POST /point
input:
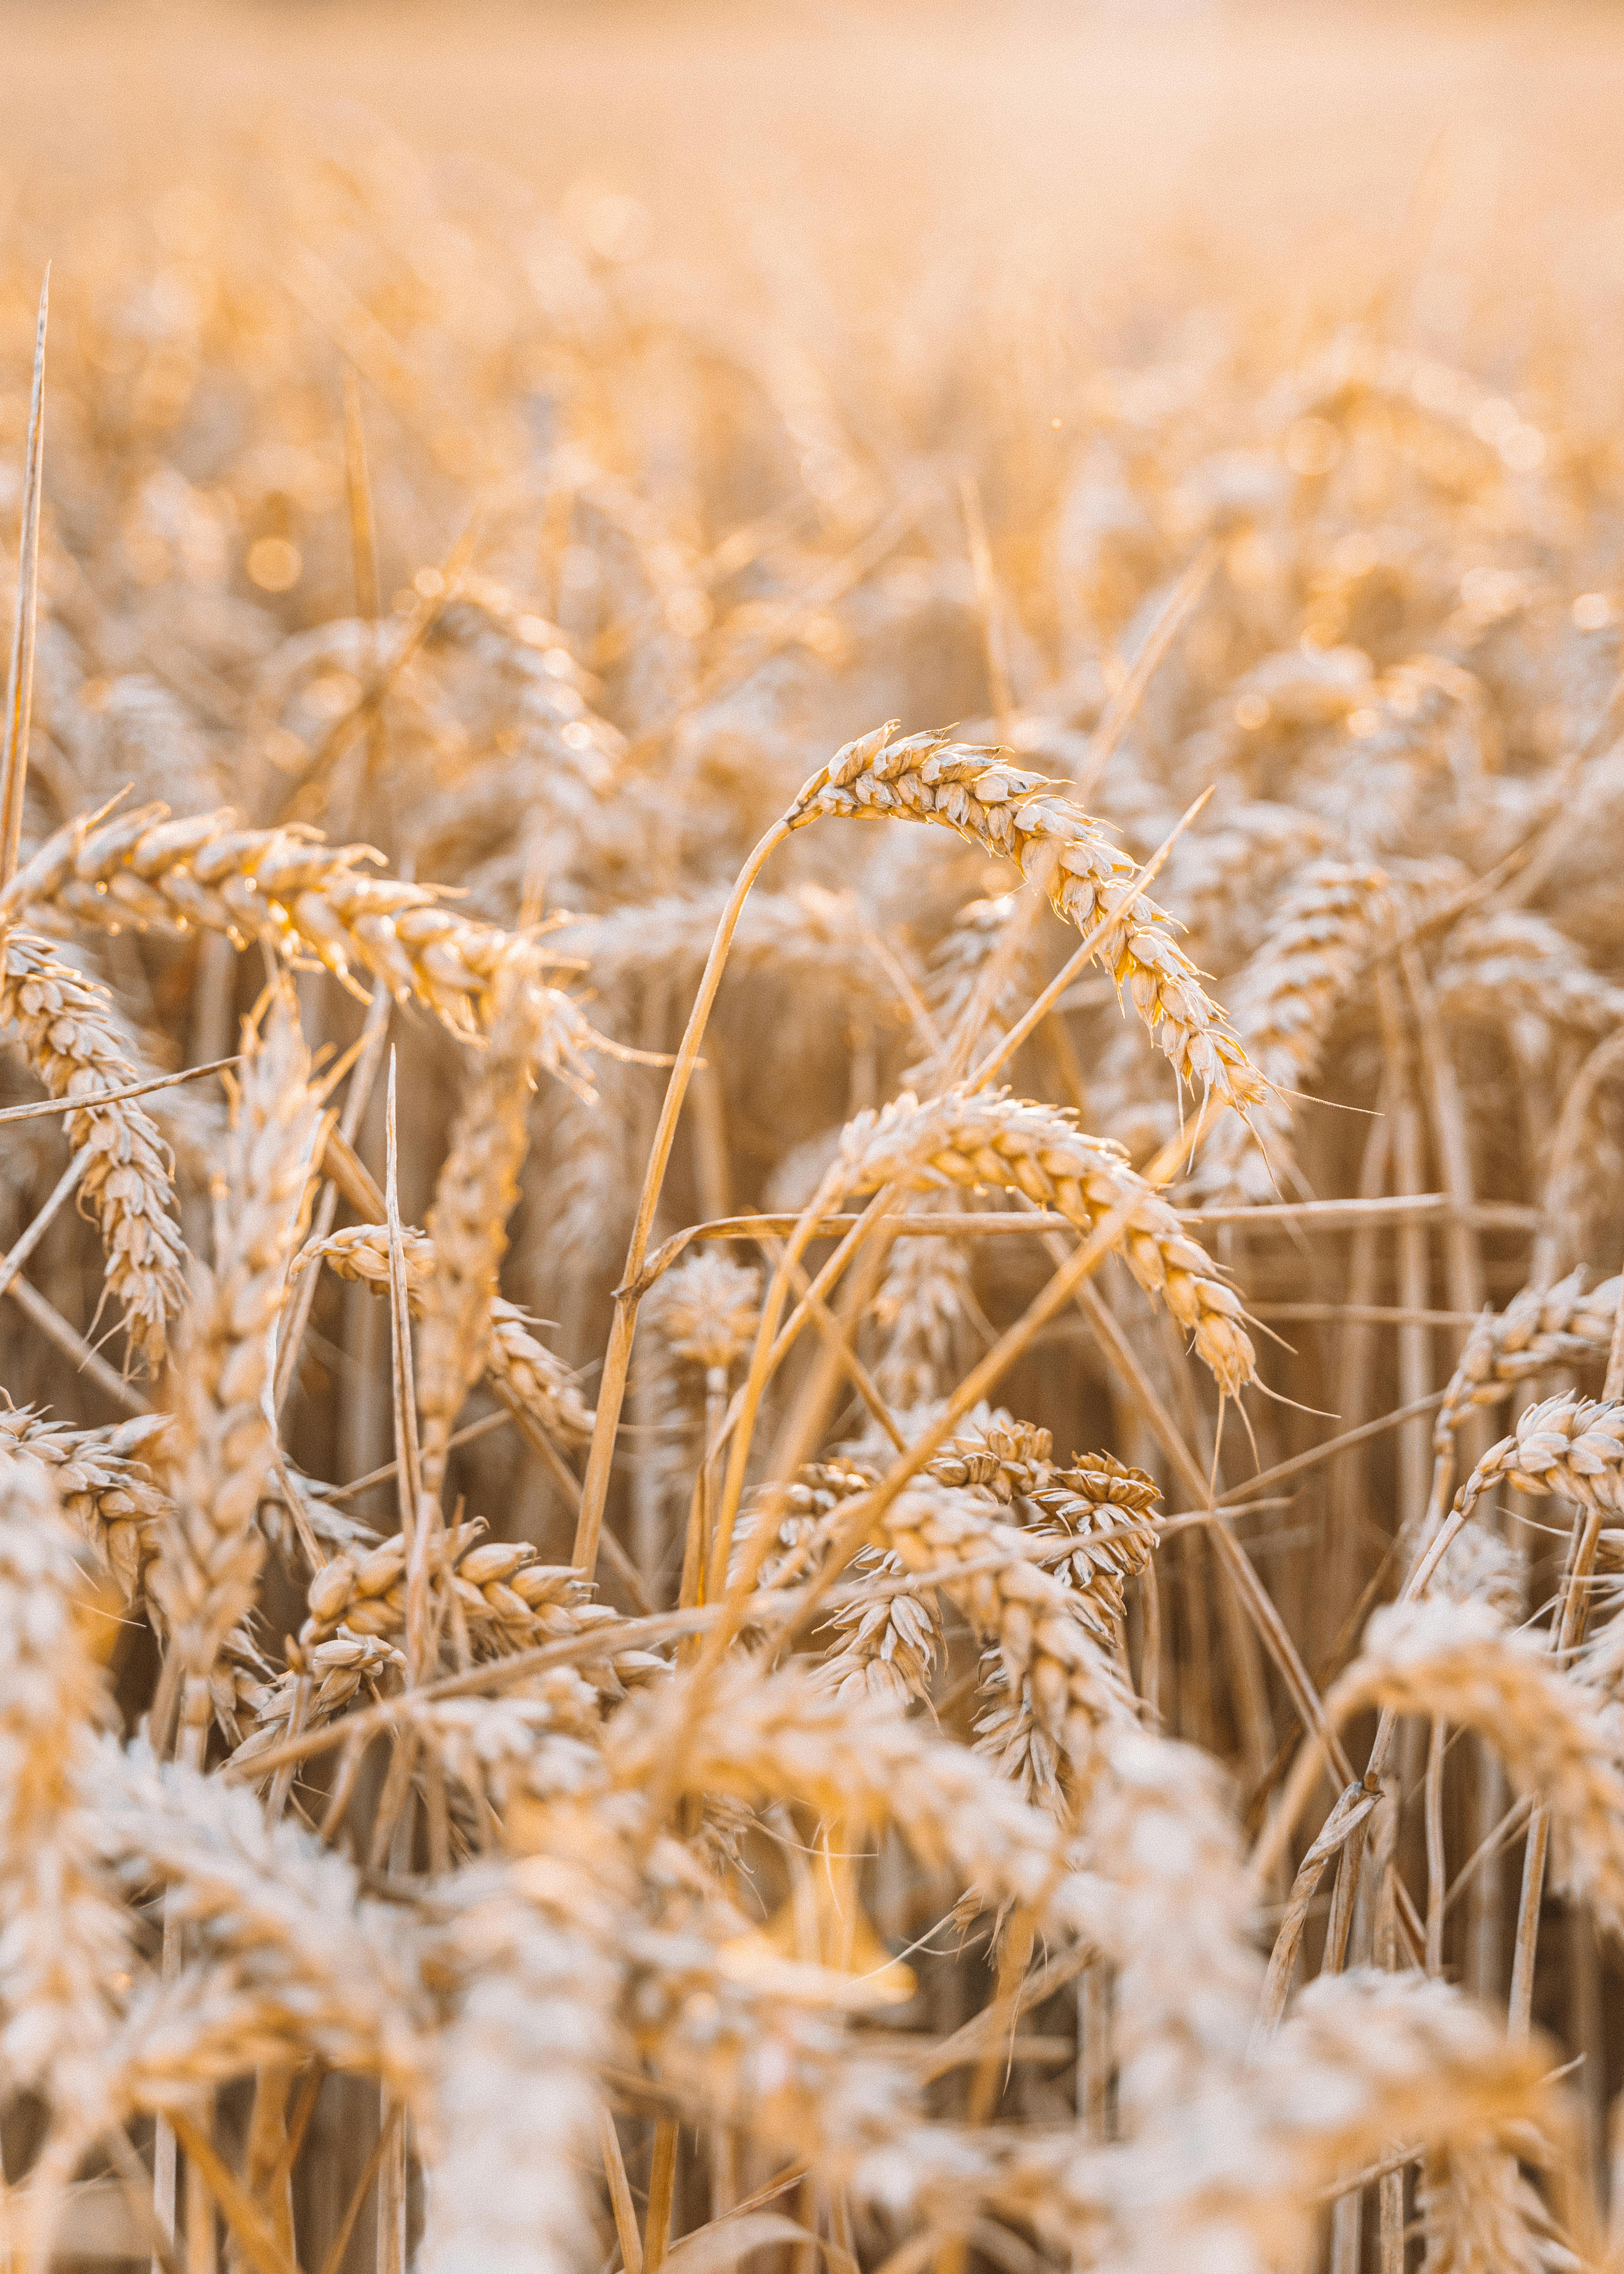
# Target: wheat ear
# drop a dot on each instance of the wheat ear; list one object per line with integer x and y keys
{"x": 286, "y": 887}
{"x": 74, "y": 1043}
{"x": 106, "y": 1485}
{"x": 1481, "y": 2215}
{"x": 1315, "y": 946}
{"x": 515, "y": 2100}
{"x": 1455, "y": 1663}
{"x": 335, "y": 1976}
{"x": 478, "y": 1187}
{"x": 66, "y": 1941}
{"x": 1539, "y": 1330}
{"x": 968, "y": 1140}
{"x": 1366, "y": 2059}
{"x": 1023, "y": 818}
{"x": 508, "y": 1600}
{"x": 220, "y": 1453}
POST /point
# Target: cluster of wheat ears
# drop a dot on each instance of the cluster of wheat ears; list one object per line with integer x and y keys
{"x": 750, "y": 1501}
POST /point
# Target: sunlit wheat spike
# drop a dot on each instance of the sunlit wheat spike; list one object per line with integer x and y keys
{"x": 1569, "y": 1445}
{"x": 1455, "y": 1660}
{"x": 290, "y": 890}
{"x": 477, "y": 1188}
{"x": 106, "y": 1483}
{"x": 984, "y": 797}
{"x": 73, "y": 1042}
{"x": 967, "y": 1140}
{"x": 1564, "y": 1324}
{"x": 506, "y": 1601}
{"x": 1312, "y": 953}
{"x": 281, "y": 1917}
{"x": 218, "y": 1458}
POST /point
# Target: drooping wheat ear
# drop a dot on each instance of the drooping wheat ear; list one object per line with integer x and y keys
{"x": 335, "y": 1977}
{"x": 1366, "y": 2059}
{"x": 539, "y": 1744}
{"x": 1066, "y": 1509}
{"x": 1516, "y": 967}
{"x": 779, "y": 1736}
{"x": 508, "y": 1600}
{"x": 753, "y": 2038}
{"x": 990, "y": 1138}
{"x": 218, "y": 1455}
{"x": 74, "y": 1043}
{"x": 804, "y": 1508}
{"x": 475, "y": 1193}
{"x": 924, "y": 1310}
{"x": 287, "y": 888}
{"x": 514, "y": 2089}
{"x": 1481, "y": 2215}
{"x": 996, "y": 1468}
{"x": 1047, "y": 1643}
{"x": 1103, "y": 1508}
{"x": 1540, "y": 1328}
{"x": 1316, "y": 943}
{"x": 1155, "y": 1822}
{"x": 1455, "y": 1663}
{"x": 336, "y": 1671}
{"x": 1010, "y": 1457}
{"x": 543, "y": 1383}
{"x": 66, "y": 1942}
{"x": 1157, "y": 1884}
{"x": 104, "y": 1483}
{"x": 1023, "y": 818}
{"x": 1569, "y": 1445}
{"x": 889, "y": 1641}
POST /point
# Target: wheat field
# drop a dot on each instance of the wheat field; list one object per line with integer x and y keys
{"x": 812, "y": 1441}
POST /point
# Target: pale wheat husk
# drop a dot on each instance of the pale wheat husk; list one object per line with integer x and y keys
{"x": 994, "y": 803}
{"x": 66, "y": 1942}
{"x": 969, "y": 1139}
{"x": 73, "y": 1043}
{"x": 106, "y": 1483}
{"x": 475, "y": 1193}
{"x": 287, "y": 888}
{"x": 220, "y": 1454}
